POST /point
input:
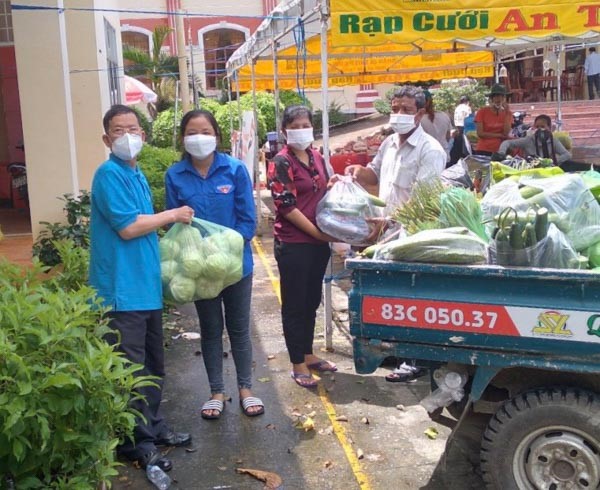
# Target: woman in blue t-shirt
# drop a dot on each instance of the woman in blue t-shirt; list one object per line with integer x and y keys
{"x": 219, "y": 189}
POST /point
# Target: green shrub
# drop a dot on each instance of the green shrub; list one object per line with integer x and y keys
{"x": 64, "y": 392}
{"x": 77, "y": 210}
{"x": 289, "y": 97}
{"x": 154, "y": 162}
{"x": 336, "y": 116}
{"x": 210, "y": 105}
{"x": 162, "y": 128}
{"x": 229, "y": 113}
{"x": 447, "y": 97}
{"x": 145, "y": 123}
{"x": 265, "y": 103}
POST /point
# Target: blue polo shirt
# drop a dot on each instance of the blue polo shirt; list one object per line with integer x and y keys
{"x": 125, "y": 273}
{"x": 223, "y": 197}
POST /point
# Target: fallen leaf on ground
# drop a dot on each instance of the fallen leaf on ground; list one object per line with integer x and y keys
{"x": 374, "y": 457}
{"x": 191, "y": 449}
{"x": 270, "y": 357}
{"x": 312, "y": 414}
{"x": 361, "y": 382}
{"x": 272, "y": 480}
{"x": 341, "y": 418}
{"x": 326, "y": 430}
{"x": 365, "y": 421}
{"x": 222, "y": 468}
{"x": 296, "y": 413}
{"x": 190, "y": 335}
{"x": 328, "y": 464}
{"x": 270, "y": 426}
{"x": 238, "y": 461}
{"x": 360, "y": 454}
{"x": 308, "y": 406}
{"x": 431, "y": 432}
{"x": 305, "y": 423}
{"x": 264, "y": 380}
{"x": 327, "y": 349}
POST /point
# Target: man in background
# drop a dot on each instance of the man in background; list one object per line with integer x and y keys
{"x": 592, "y": 71}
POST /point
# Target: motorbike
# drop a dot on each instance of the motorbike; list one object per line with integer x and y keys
{"x": 519, "y": 128}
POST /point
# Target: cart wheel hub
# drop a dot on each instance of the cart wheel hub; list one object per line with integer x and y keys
{"x": 555, "y": 459}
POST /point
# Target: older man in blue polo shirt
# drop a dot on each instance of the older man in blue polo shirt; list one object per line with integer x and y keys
{"x": 125, "y": 271}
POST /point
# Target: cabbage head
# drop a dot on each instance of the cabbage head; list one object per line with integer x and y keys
{"x": 169, "y": 249}
{"x": 168, "y": 269}
{"x": 235, "y": 241}
{"x": 182, "y": 289}
{"x": 208, "y": 288}
{"x": 216, "y": 266}
{"x": 593, "y": 254}
{"x": 188, "y": 238}
{"x": 192, "y": 263}
{"x": 234, "y": 274}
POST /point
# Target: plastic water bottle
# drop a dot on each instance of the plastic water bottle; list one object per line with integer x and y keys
{"x": 158, "y": 477}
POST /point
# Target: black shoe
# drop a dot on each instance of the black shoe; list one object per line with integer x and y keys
{"x": 155, "y": 458}
{"x": 169, "y": 437}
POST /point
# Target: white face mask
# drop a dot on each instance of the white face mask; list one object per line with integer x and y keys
{"x": 128, "y": 146}
{"x": 300, "y": 139}
{"x": 200, "y": 145}
{"x": 402, "y": 123}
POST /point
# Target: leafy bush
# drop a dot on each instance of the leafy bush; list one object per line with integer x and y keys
{"x": 77, "y": 210}
{"x": 211, "y": 105}
{"x": 154, "y": 162}
{"x": 64, "y": 392}
{"x": 229, "y": 113}
{"x": 145, "y": 123}
{"x": 265, "y": 103}
{"x": 447, "y": 96}
{"x": 162, "y": 128}
{"x": 289, "y": 97}
{"x": 336, "y": 116}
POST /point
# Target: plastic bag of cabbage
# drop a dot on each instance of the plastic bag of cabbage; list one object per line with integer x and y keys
{"x": 199, "y": 260}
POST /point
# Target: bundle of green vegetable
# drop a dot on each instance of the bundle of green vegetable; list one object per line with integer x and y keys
{"x": 199, "y": 260}
{"x": 459, "y": 207}
{"x": 344, "y": 211}
{"x": 455, "y": 245}
{"x": 422, "y": 210}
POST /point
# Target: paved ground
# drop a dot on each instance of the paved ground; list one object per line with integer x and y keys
{"x": 362, "y": 439}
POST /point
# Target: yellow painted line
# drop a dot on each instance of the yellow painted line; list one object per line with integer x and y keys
{"x": 260, "y": 251}
{"x": 338, "y": 429}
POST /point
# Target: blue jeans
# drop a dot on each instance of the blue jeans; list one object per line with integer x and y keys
{"x": 235, "y": 300}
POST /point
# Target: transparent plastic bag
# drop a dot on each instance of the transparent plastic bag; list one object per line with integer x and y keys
{"x": 344, "y": 211}
{"x": 471, "y": 172}
{"x": 571, "y": 204}
{"x": 199, "y": 260}
{"x": 500, "y": 196}
{"x": 553, "y": 251}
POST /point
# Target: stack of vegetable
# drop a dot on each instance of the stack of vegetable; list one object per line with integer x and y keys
{"x": 344, "y": 211}
{"x": 199, "y": 260}
{"x": 455, "y": 245}
{"x": 422, "y": 210}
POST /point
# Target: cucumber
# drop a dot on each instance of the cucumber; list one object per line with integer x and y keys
{"x": 375, "y": 201}
{"x": 346, "y": 211}
{"x": 541, "y": 223}
{"x": 529, "y": 235}
{"x": 528, "y": 191}
{"x": 370, "y": 250}
{"x": 515, "y": 237}
{"x": 501, "y": 235}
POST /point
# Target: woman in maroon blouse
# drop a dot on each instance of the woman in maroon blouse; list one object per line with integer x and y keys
{"x": 298, "y": 180}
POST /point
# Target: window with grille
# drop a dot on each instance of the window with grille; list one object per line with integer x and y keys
{"x": 112, "y": 63}
{"x": 6, "y": 28}
{"x": 219, "y": 45}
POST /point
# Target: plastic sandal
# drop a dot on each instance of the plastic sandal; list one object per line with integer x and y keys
{"x": 323, "y": 366}
{"x": 212, "y": 404}
{"x": 252, "y": 401}
{"x": 304, "y": 380}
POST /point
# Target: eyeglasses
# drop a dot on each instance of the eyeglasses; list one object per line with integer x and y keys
{"x": 120, "y": 131}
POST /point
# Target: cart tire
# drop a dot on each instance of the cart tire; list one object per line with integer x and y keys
{"x": 545, "y": 438}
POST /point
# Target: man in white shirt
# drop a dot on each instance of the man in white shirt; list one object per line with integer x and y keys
{"x": 405, "y": 157}
{"x": 408, "y": 156}
{"x": 592, "y": 71}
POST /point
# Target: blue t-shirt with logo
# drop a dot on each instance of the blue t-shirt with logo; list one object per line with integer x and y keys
{"x": 223, "y": 197}
{"x": 125, "y": 273}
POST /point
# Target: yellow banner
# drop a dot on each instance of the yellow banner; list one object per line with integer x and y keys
{"x": 369, "y": 22}
{"x": 389, "y": 63}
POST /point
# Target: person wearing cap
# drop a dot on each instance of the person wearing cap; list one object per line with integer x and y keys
{"x": 437, "y": 124}
{"x": 493, "y": 122}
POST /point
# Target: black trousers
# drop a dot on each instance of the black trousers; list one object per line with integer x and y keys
{"x": 593, "y": 83}
{"x": 301, "y": 270}
{"x": 141, "y": 340}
